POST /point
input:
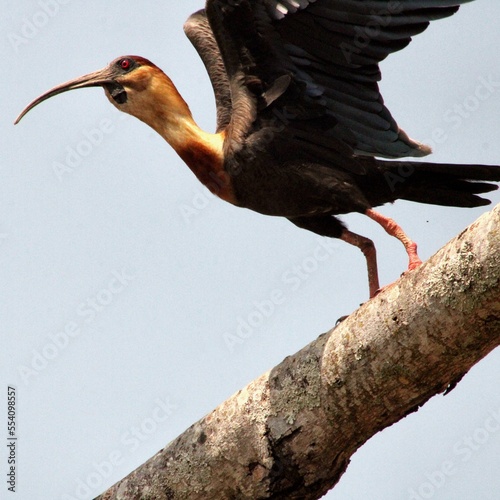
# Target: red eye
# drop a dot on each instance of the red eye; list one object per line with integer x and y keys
{"x": 125, "y": 63}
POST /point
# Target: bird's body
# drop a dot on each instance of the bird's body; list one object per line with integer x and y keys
{"x": 300, "y": 118}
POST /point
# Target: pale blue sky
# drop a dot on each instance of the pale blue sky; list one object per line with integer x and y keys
{"x": 146, "y": 273}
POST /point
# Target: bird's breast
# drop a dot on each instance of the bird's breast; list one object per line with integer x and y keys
{"x": 207, "y": 164}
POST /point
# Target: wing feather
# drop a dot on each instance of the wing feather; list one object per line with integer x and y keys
{"x": 199, "y": 32}
{"x": 331, "y": 49}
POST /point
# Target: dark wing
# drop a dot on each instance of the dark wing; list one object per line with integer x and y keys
{"x": 199, "y": 32}
{"x": 336, "y": 45}
{"x": 313, "y": 65}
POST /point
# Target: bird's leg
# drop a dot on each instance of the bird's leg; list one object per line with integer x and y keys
{"x": 368, "y": 248}
{"x": 394, "y": 230}
{"x": 327, "y": 225}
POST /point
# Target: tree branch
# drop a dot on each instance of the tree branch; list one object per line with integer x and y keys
{"x": 291, "y": 432}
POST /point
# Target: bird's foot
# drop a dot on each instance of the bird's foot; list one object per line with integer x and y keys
{"x": 414, "y": 260}
{"x": 385, "y": 287}
{"x": 342, "y": 318}
{"x": 415, "y": 263}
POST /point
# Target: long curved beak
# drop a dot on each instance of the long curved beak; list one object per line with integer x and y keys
{"x": 96, "y": 79}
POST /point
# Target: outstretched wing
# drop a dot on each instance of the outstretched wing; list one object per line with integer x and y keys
{"x": 313, "y": 65}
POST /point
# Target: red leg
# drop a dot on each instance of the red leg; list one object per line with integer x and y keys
{"x": 394, "y": 230}
{"x": 368, "y": 248}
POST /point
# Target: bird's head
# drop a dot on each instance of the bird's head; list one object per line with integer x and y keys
{"x": 128, "y": 81}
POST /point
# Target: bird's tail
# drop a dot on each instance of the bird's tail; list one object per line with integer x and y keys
{"x": 439, "y": 183}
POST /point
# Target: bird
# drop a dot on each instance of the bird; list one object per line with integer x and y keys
{"x": 302, "y": 131}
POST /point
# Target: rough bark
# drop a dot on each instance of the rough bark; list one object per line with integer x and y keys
{"x": 290, "y": 433}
